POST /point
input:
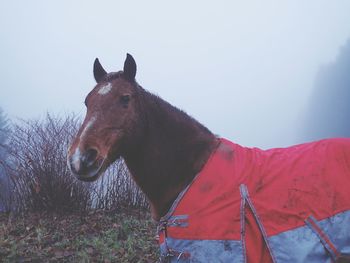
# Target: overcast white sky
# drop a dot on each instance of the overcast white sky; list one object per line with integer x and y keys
{"x": 245, "y": 69}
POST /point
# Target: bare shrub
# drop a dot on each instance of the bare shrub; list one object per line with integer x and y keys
{"x": 6, "y": 194}
{"x": 37, "y": 170}
{"x": 116, "y": 189}
{"x": 37, "y": 167}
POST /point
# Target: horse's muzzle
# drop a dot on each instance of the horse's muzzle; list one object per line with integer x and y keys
{"x": 85, "y": 166}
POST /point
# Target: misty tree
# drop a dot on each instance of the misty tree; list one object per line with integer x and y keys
{"x": 328, "y": 112}
{"x": 4, "y": 132}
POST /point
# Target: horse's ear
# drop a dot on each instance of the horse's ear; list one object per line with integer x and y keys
{"x": 129, "y": 68}
{"x": 99, "y": 72}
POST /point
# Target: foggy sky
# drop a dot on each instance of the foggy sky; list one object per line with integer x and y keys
{"x": 245, "y": 69}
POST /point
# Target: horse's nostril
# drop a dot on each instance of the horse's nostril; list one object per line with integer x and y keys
{"x": 90, "y": 156}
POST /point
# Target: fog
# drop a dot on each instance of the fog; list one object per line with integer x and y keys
{"x": 245, "y": 69}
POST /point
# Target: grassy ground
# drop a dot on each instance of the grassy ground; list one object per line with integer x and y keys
{"x": 127, "y": 236}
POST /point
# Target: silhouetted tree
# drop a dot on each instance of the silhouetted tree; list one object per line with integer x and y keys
{"x": 328, "y": 112}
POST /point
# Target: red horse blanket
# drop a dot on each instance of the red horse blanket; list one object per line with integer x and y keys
{"x": 251, "y": 205}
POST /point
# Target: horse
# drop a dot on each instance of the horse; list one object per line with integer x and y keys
{"x": 214, "y": 200}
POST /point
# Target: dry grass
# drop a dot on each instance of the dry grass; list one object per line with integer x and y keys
{"x": 119, "y": 236}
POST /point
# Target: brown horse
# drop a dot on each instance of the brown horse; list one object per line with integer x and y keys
{"x": 162, "y": 146}
{"x": 165, "y": 149}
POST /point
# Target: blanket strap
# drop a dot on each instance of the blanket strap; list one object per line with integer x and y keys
{"x": 246, "y": 200}
{"x": 325, "y": 240}
{"x": 174, "y": 221}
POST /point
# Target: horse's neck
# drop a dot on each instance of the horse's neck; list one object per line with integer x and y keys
{"x": 173, "y": 150}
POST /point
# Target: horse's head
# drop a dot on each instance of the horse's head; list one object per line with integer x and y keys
{"x": 109, "y": 122}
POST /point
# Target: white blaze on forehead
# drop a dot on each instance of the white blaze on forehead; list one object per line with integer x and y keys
{"x": 105, "y": 89}
{"x": 87, "y": 127}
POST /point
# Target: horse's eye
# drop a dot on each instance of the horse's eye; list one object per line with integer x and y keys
{"x": 124, "y": 99}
